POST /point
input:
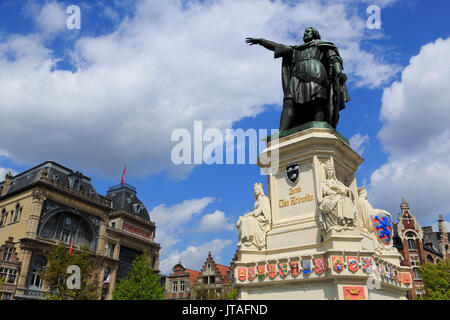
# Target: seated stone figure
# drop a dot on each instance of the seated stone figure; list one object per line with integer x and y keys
{"x": 337, "y": 206}
{"x": 253, "y": 226}
{"x": 366, "y": 214}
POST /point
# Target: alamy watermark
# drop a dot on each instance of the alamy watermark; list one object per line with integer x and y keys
{"x": 214, "y": 146}
{"x": 74, "y": 280}
{"x": 74, "y": 19}
{"x": 374, "y": 19}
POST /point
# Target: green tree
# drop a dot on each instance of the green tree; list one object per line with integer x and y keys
{"x": 141, "y": 283}
{"x": 436, "y": 279}
{"x": 55, "y": 275}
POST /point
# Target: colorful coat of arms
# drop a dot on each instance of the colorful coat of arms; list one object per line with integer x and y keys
{"x": 306, "y": 267}
{"x": 352, "y": 264}
{"x": 261, "y": 272}
{"x": 282, "y": 269}
{"x": 319, "y": 265}
{"x": 251, "y": 273}
{"x": 242, "y": 273}
{"x": 406, "y": 277}
{"x": 338, "y": 263}
{"x": 327, "y": 264}
{"x": 354, "y": 293}
{"x": 396, "y": 276}
{"x": 367, "y": 264}
{"x": 272, "y": 270}
{"x": 383, "y": 227}
{"x": 295, "y": 269}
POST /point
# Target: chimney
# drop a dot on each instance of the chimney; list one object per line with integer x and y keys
{"x": 8, "y": 179}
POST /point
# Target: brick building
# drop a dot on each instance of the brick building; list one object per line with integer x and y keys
{"x": 419, "y": 245}
{"x": 179, "y": 284}
{"x": 49, "y": 204}
{"x": 214, "y": 280}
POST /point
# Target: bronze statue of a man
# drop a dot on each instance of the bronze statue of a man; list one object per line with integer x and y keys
{"x": 313, "y": 80}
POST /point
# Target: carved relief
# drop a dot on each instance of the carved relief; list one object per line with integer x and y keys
{"x": 337, "y": 204}
{"x": 253, "y": 227}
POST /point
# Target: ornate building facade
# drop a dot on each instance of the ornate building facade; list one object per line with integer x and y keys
{"x": 212, "y": 282}
{"x": 180, "y": 283}
{"x": 419, "y": 245}
{"x": 50, "y": 203}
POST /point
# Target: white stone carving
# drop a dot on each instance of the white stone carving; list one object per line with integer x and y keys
{"x": 253, "y": 226}
{"x": 337, "y": 205}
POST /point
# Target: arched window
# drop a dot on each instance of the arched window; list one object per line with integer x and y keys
{"x": 3, "y": 218}
{"x": 430, "y": 259}
{"x": 411, "y": 240}
{"x": 35, "y": 277}
{"x": 17, "y": 213}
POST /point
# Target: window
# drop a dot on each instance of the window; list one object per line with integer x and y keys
{"x": 37, "y": 266}
{"x": 17, "y": 213}
{"x": 3, "y": 218}
{"x": 153, "y": 262}
{"x": 113, "y": 224}
{"x": 6, "y": 296}
{"x": 181, "y": 286}
{"x": 175, "y": 286}
{"x": 411, "y": 244}
{"x": 9, "y": 275}
{"x": 7, "y": 253}
{"x": 416, "y": 274}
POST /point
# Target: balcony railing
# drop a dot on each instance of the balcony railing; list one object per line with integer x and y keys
{"x": 29, "y": 294}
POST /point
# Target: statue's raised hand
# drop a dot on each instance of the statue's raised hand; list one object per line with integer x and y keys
{"x": 253, "y": 41}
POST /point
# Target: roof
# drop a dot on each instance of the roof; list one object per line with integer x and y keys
{"x": 224, "y": 271}
{"x": 123, "y": 197}
{"x": 193, "y": 275}
{"x": 56, "y": 173}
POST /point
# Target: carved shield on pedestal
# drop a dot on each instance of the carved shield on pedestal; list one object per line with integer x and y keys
{"x": 261, "y": 272}
{"x": 242, "y": 273}
{"x": 306, "y": 267}
{"x": 382, "y": 224}
{"x": 294, "y": 268}
{"x": 338, "y": 263}
{"x": 319, "y": 266}
{"x": 352, "y": 264}
{"x": 292, "y": 172}
{"x": 251, "y": 273}
{"x": 272, "y": 270}
{"x": 282, "y": 269}
{"x": 367, "y": 264}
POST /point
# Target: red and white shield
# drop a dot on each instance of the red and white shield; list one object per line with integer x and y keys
{"x": 352, "y": 264}
{"x": 319, "y": 266}
{"x": 272, "y": 270}
{"x": 242, "y": 273}
{"x": 295, "y": 270}
{"x": 251, "y": 273}
{"x": 282, "y": 269}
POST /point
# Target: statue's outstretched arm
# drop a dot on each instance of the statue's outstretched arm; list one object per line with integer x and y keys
{"x": 270, "y": 45}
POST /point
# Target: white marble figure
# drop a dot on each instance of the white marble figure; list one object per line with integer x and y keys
{"x": 253, "y": 226}
{"x": 337, "y": 206}
{"x": 365, "y": 213}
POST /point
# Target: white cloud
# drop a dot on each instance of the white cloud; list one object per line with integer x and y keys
{"x": 416, "y": 132}
{"x": 50, "y": 18}
{"x": 194, "y": 256}
{"x": 215, "y": 222}
{"x": 160, "y": 70}
{"x": 359, "y": 142}
{"x": 172, "y": 221}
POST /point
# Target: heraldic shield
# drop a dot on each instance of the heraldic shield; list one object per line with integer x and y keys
{"x": 382, "y": 224}
{"x": 292, "y": 172}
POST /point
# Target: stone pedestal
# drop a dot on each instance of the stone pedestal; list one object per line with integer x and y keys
{"x": 299, "y": 236}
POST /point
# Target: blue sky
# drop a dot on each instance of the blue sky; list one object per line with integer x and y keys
{"x": 112, "y": 93}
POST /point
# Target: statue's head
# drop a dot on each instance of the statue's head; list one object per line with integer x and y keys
{"x": 329, "y": 170}
{"x": 257, "y": 189}
{"x": 311, "y": 33}
{"x": 362, "y": 192}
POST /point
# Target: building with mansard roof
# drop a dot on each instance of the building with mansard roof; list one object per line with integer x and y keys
{"x": 419, "y": 245}
{"x": 51, "y": 203}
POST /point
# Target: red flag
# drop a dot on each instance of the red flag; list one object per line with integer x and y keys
{"x": 123, "y": 175}
{"x": 71, "y": 245}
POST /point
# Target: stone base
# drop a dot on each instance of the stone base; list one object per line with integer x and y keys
{"x": 298, "y": 235}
